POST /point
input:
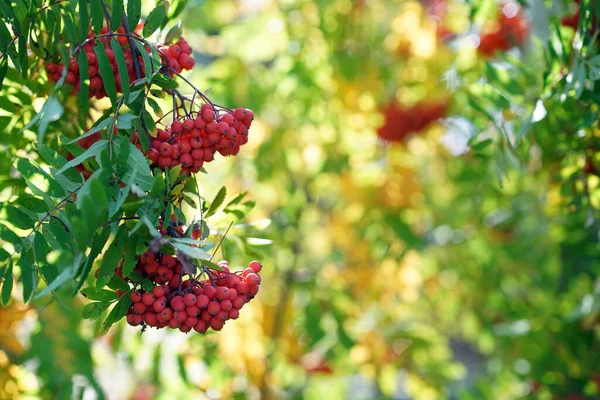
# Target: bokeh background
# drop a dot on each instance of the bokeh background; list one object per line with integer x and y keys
{"x": 419, "y": 215}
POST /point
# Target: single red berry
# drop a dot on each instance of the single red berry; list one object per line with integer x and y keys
{"x": 242, "y": 287}
{"x": 180, "y": 316}
{"x": 177, "y": 127}
{"x": 253, "y": 279}
{"x": 160, "y": 304}
{"x": 163, "y": 135}
{"x": 151, "y": 268}
{"x": 166, "y": 314}
{"x": 177, "y": 303}
{"x": 213, "y": 307}
{"x": 208, "y": 115}
{"x": 135, "y": 296}
{"x": 188, "y": 125}
{"x": 186, "y": 160}
{"x": 192, "y": 311}
{"x": 185, "y": 328}
{"x": 158, "y": 292}
{"x": 256, "y": 266}
{"x": 148, "y": 298}
{"x": 205, "y": 315}
{"x": 200, "y": 326}
{"x": 165, "y": 150}
{"x": 189, "y": 299}
{"x": 222, "y": 293}
{"x": 174, "y": 51}
{"x": 174, "y": 324}
{"x": 216, "y": 324}
{"x": 238, "y": 303}
{"x": 234, "y": 313}
{"x": 202, "y": 301}
{"x": 147, "y": 257}
{"x": 73, "y": 65}
{"x": 226, "y": 305}
{"x": 150, "y": 318}
{"x": 210, "y": 291}
{"x": 186, "y": 61}
{"x": 139, "y": 308}
{"x": 164, "y": 162}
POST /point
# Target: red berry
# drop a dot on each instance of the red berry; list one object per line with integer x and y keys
{"x": 216, "y": 324}
{"x": 202, "y": 301}
{"x": 185, "y": 328}
{"x": 253, "y": 279}
{"x": 256, "y": 266}
{"x": 226, "y": 305}
{"x": 168, "y": 261}
{"x": 73, "y": 65}
{"x": 186, "y": 61}
{"x": 177, "y": 127}
{"x": 164, "y": 162}
{"x": 158, "y": 292}
{"x": 234, "y": 313}
{"x": 189, "y": 299}
{"x": 179, "y": 316}
{"x": 160, "y": 304}
{"x": 213, "y": 307}
{"x": 242, "y": 287}
{"x": 186, "y": 160}
{"x": 136, "y": 296}
{"x": 174, "y": 324}
{"x": 163, "y": 135}
{"x": 188, "y": 124}
{"x": 192, "y": 311}
{"x": 210, "y": 291}
{"x": 238, "y": 303}
{"x": 92, "y": 59}
{"x": 148, "y": 299}
{"x": 177, "y": 303}
{"x": 139, "y": 308}
{"x": 174, "y": 51}
{"x": 200, "y": 326}
{"x": 166, "y": 314}
{"x": 222, "y": 293}
{"x": 147, "y": 257}
{"x": 208, "y": 115}
{"x": 150, "y": 318}
{"x": 165, "y": 150}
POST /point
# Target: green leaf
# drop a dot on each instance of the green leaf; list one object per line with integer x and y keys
{"x": 93, "y": 151}
{"x": 92, "y": 293}
{"x": 118, "y": 11}
{"x": 84, "y": 21}
{"x": 129, "y": 261}
{"x": 7, "y": 283}
{"x": 138, "y": 164}
{"x": 125, "y": 121}
{"x": 121, "y": 64}
{"x": 18, "y": 218}
{"x": 97, "y": 14}
{"x": 403, "y": 231}
{"x": 97, "y": 245}
{"x": 28, "y": 277}
{"x": 117, "y": 283}
{"x": 134, "y": 12}
{"x": 31, "y": 171}
{"x": 155, "y": 18}
{"x": 149, "y": 68}
{"x": 113, "y": 257}
{"x": 65, "y": 276}
{"x": 94, "y": 310}
{"x": 193, "y": 252}
{"x": 107, "y": 74}
{"x": 84, "y": 87}
{"x": 174, "y": 33}
{"x": 118, "y": 312}
{"x": 32, "y": 203}
{"x": 51, "y": 111}
{"x": 216, "y": 203}
{"x": 100, "y": 125}
{"x": 211, "y": 265}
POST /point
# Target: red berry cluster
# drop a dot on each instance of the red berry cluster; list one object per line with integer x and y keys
{"x": 177, "y": 56}
{"x": 197, "y": 305}
{"x": 191, "y": 142}
{"x": 96, "y": 84}
{"x": 508, "y": 30}
{"x": 401, "y": 121}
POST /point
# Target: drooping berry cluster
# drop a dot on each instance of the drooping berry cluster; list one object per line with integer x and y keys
{"x": 190, "y": 142}
{"x": 176, "y": 57}
{"x": 193, "y": 304}
{"x": 401, "y": 121}
{"x": 97, "y": 89}
{"x": 510, "y": 29}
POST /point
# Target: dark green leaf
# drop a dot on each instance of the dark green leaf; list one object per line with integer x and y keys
{"x": 94, "y": 310}
{"x": 18, "y": 218}
{"x": 28, "y": 277}
{"x": 134, "y": 12}
{"x": 216, "y": 203}
{"x": 112, "y": 257}
{"x": 97, "y": 14}
{"x": 84, "y": 87}
{"x": 7, "y": 283}
{"x": 118, "y": 312}
{"x": 93, "y": 151}
{"x": 118, "y": 11}
{"x": 107, "y": 74}
{"x": 121, "y": 64}
{"x": 84, "y": 20}
{"x": 155, "y": 18}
